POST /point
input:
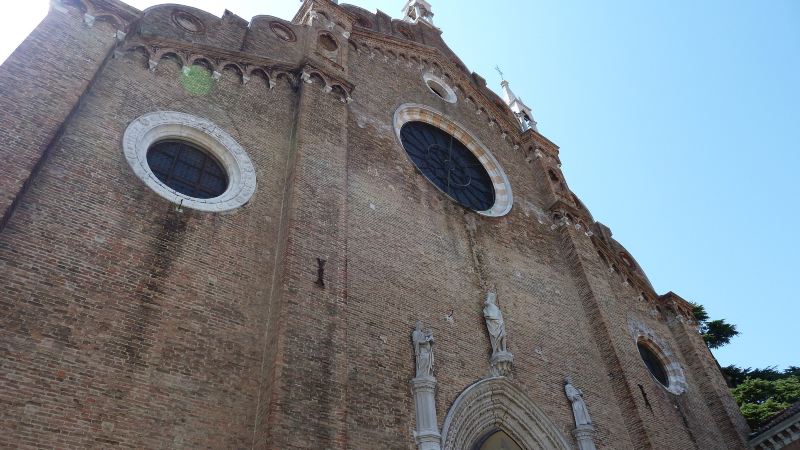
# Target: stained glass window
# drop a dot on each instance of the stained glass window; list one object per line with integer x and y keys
{"x": 187, "y": 169}
{"x": 449, "y": 165}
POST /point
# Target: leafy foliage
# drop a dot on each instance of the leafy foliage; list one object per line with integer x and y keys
{"x": 760, "y": 399}
{"x": 716, "y": 333}
{"x": 758, "y": 413}
{"x": 760, "y": 393}
{"x": 735, "y": 375}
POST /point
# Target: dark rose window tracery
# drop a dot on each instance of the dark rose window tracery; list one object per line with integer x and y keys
{"x": 187, "y": 169}
{"x": 449, "y": 165}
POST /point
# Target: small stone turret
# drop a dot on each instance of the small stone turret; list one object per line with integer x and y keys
{"x": 418, "y": 10}
{"x": 521, "y": 110}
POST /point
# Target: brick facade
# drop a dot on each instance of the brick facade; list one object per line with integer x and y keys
{"x": 131, "y": 322}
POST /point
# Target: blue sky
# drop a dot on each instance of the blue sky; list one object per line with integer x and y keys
{"x": 678, "y": 124}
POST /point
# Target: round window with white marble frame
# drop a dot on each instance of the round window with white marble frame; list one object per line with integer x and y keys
{"x": 503, "y": 197}
{"x": 657, "y": 348}
{"x": 151, "y": 128}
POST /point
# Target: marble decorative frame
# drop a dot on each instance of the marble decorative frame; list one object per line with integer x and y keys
{"x": 643, "y": 334}
{"x": 503, "y": 198}
{"x": 153, "y": 127}
{"x": 449, "y": 94}
{"x": 497, "y": 404}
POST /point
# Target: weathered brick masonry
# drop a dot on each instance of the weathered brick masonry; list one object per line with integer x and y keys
{"x": 130, "y": 321}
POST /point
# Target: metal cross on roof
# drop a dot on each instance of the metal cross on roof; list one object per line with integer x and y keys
{"x": 497, "y": 68}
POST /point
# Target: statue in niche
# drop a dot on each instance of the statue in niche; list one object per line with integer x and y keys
{"x": 495, "y": 324}
{"x": 579, "y": 409}
{"x": 423, "y": 350}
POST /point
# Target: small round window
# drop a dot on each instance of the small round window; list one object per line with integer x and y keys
{"x": 653, "y": 363}
{"x": 440, "y": 88}
{"x": 187, "y": 169}
{"x": 187, "y": 21}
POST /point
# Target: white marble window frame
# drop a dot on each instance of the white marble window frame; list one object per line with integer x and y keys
{"x": 409, "y": 112}
{"x": 450, "y": 94}
{"x": 643, "y": 334}
{"x": 157, "y": 126}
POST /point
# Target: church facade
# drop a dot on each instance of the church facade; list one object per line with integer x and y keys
{"x": 323, "y": 233}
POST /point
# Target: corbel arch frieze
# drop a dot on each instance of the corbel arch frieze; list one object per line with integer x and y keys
{"x": 246, "y": 67}
{"x": 209, "y": 63}
{"x": 495, "y": 404}
{"x": 634, "y": 278}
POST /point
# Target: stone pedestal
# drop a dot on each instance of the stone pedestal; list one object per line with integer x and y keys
{"x": 584, "y": 434}
{"x": 427, "y": 434}
{"x": 501, "y": 363}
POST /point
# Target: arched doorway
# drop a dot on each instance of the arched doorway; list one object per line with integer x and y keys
{"x": 495, "y": 412}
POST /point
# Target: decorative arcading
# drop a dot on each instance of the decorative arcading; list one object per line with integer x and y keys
{"x": 244, "y": 68}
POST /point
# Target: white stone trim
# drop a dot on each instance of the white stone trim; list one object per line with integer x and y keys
{"x": 156, "y": 126}
{"x": 450, "y": 94}
{"x": 497, "y": 404}
{"x": 503, "y": 198}
{"x": 641, "y": 332}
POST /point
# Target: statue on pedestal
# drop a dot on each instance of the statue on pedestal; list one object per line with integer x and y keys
{"x": 579, "y": 409}
{"x": 501, "y": 360}
{"x": 494, "y": 323}
{"x": 423, "y": 350}
{"x": 423, "y": 387}
{"x": 584, "y": 430}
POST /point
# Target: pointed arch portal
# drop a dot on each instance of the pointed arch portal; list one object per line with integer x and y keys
{"x": 495, "y": 404}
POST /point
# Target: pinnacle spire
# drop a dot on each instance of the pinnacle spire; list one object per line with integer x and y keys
{"x": 418, "y": 10}
{"x": 520, "y": 109}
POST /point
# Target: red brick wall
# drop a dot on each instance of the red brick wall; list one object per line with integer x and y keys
{"x": 40, "y": 84}
{"x": 125, "y": 322}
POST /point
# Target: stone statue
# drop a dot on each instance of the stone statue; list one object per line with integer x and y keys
{"x": 495, "y": 324}
{"x": 423, "y": 350}
{"x": 579, "y": 409}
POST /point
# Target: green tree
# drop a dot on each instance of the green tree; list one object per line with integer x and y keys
{"x": 758, "y": 413}
{"x": 760, "y": 393}
{"x": 760, "y": 399}
{"x": 716, "y": 333}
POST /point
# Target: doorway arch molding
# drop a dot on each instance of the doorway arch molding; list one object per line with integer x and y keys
{"x": 497, "y": 404}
